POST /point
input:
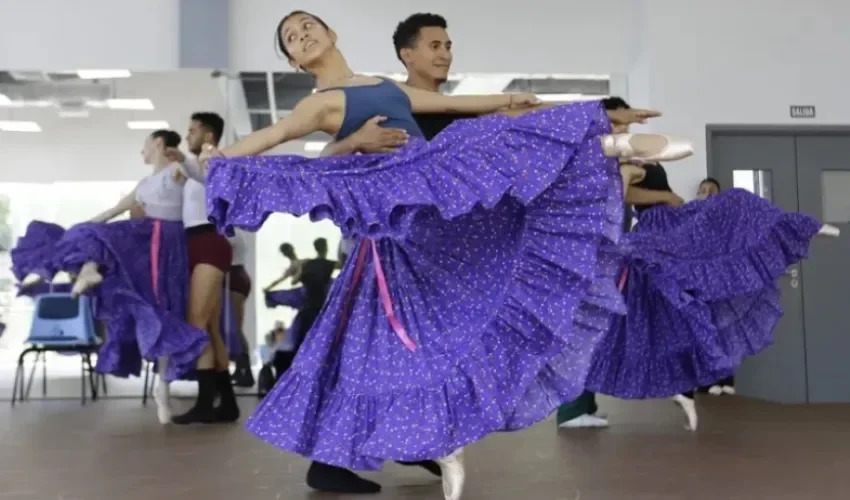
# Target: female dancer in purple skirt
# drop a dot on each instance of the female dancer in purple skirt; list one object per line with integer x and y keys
{"x": 700, "y": 289}
{"x": 480, "y": 283}
{"x": 136, "y": 268}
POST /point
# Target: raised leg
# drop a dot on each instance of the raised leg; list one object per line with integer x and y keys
{"x": 646, "y": 148}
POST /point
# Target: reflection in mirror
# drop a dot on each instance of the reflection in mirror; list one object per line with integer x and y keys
{"x": 835, "y": 184}
{"x": 758, "y": 182}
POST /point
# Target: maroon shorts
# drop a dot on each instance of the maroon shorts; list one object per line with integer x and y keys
{"x": 240, "y": 282}
{"x": 206, "y": 246}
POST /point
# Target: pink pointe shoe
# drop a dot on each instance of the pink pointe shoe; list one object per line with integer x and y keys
{"x": 621, "y": 146}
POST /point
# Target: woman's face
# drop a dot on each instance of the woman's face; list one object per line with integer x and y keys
{"x": 150, "y": 149}
{"x": 305, "y": 39}
{"x": 707, "y": 189}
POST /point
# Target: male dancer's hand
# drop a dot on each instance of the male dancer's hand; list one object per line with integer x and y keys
{"x": 208, "y": 151}
{"x": 373, "y": 138}
{"x": 629, "y": 116}
{"x": 175, "y": 155}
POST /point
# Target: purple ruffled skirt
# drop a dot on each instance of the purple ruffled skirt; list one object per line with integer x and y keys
{"x": 701, "y": 294}
{"x": 474, "y": 299}
{"x": 145, "y": 318}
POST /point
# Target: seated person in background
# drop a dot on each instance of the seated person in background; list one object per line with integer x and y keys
{"x": 708, "y": 187}
{"x": 275, "y": 341}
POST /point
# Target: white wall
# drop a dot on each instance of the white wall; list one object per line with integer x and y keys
{"x": 742, "y": 63}
{"x": 89, "y": 34}
{"x": 101, "y": 147}
{"x": 535, "y": 36}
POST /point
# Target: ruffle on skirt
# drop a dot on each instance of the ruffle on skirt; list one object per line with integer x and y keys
{"x": 701, "y": 294}
{"x": 34, "y": 251}
{"x": 724, "y": 246}
{"x": 492, "y": 240}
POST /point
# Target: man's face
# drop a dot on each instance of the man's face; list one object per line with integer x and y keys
{"x": 620, "y": 129}
{"x": 196, "y": 137}
{"x": 431, "y": 57}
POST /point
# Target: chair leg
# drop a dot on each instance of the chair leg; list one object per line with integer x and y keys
{"x": 93, "y": 378}
{"x": 44, "y": 375}
{"x": 19, "y": 378}
{"x": 26, "y": 394}
{"x": 82, "y": 381}
{"x": 145, "y": 386}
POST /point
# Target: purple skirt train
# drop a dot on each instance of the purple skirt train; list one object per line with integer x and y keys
{"x": 701, "y": 294}
{"x": 473, "y": 302}
{"x": 139, "y": 317}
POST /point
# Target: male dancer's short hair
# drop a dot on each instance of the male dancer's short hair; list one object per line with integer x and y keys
{"x": 614, "y": 102}
{"x": 406, "y": 34}
{"x": 212, "y": 122}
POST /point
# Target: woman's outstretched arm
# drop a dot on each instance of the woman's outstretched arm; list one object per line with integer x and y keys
{"x": 123, "y": 205}
{"x": 308, "y": 116}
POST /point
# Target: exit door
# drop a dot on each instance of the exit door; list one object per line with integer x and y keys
{"x": 804, "y": 170}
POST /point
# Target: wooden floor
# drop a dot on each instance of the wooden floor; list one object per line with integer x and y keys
{"x": 744, "y": 450}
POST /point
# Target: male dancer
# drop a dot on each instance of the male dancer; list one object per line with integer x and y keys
{"x": 210, "y": 258}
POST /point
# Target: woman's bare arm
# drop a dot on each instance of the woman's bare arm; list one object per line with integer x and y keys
{"x": 310, "y": 115}
{"x": 125, "y": 204}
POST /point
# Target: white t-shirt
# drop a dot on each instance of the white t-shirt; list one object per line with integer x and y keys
{"x": 239, "y": 242}
{"x": 194, "y": 204}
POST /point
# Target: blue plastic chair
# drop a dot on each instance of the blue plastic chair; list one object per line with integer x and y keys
{"x": 62, "y": 324}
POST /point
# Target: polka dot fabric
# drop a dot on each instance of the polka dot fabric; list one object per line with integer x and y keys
{"x": 138, "y": 325}
{"x": 701, "y": 294}
{"x": 498, "y": 241}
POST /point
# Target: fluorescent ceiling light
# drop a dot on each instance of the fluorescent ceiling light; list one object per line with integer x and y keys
{"x": 138, "y": 104}
{"x": 569, "y": 97}
{"x": 73, "y": 113}
{"x": 147, "y": 125}
{"x": 4, "y": 100}
{"x": 18, "y": 126}
{"x": 100, "y": 74}
{"x": 314, "y": 146}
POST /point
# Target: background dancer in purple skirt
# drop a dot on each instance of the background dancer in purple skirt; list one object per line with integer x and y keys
{"x": 136, "y": 268}
{"x": 480, "y": 251}
{"x": 700, "y": 287}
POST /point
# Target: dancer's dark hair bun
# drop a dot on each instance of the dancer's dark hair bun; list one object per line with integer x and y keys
{"x": 170, "y": 138}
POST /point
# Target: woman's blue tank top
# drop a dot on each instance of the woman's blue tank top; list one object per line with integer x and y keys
{"x": 363, "y": 102}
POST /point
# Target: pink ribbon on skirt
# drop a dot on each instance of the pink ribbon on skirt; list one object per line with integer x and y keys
{"x": 623, "y": 279}
{"x": 383, "y": 292}
{"x": 156, "y": 243}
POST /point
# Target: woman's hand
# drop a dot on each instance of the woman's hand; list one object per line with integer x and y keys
{"x": 630, "y": 116}
{"x": 523, "y": 100}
